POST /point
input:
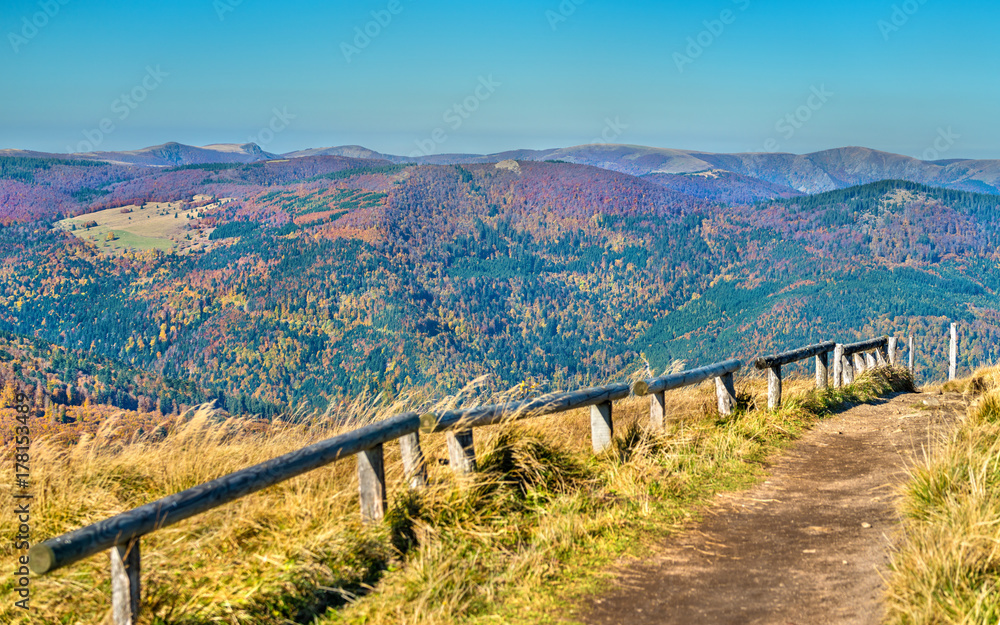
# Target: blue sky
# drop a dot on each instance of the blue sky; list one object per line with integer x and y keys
{"x": 913, "y": 77}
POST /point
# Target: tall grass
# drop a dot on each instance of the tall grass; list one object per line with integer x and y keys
{"x": 515, "y": 541}
{"x": 947, "y": 570}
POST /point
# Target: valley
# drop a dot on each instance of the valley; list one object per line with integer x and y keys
{"x": 320, "y": 277}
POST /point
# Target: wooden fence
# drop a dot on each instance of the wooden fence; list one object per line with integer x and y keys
{"x": 851, "y": 360}
{"x": 121, "y": 534}
{"x": 773, "y": 365}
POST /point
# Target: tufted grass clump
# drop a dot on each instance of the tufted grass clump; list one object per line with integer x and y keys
{"x": 947, "y": 569}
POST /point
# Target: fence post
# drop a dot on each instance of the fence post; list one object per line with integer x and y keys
{"x": 859, "y": 365}
{"x": 774, "y": 387}
{"x": 838, "y": 365}
{"x": 461, "y": 451}
{"x": 848, "y": 369}
{"x": 725, "y": 391}
{"x": 657, "y": 411}
{"x": 910, "y": 350}
{"x": 602, "y": 428}
{"x": 371, "y": 484}
{"x": 871, "y": 359}
{"x": 822, "y": 370}
{"x": 953, "y": 353}
{"x": 893, "y": 355}
{"x": 413, "y": 460}
{"x": 125, "y": 589}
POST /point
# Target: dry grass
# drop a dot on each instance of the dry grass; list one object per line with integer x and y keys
{"x": 514, "y": 542}
{"x": 947, "y": 571}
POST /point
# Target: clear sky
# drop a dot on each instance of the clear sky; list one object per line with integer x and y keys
{"x": 914, "y": 77}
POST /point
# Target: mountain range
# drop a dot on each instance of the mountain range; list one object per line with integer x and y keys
{"x": 769, "y": 174}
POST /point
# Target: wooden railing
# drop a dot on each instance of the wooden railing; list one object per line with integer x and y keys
{"x": 121, "y": 534}
{"x": 774, "y": 363}
{"x": 865, "y": 355}
{"x": 657, "y": 387}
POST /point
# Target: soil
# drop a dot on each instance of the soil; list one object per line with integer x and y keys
{"x": 808, "y": 546}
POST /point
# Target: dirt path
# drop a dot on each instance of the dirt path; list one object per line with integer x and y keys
{"x": 809, "y": 546}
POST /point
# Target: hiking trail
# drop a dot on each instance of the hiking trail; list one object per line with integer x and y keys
{"x": 808, "y": 546}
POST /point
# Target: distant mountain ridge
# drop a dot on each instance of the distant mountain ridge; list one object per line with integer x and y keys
{"x": 785, "y": 173}
{"x": 759, "y": 175}
{"x": 167, "y": 155}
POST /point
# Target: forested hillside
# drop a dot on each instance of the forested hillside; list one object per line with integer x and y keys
{"x": 329, "y": 275}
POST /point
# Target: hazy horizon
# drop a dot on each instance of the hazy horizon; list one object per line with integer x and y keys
{"x": 728, "y": 76}
{"x": 950, "y": 157}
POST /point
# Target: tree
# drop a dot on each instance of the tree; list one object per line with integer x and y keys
{"x": 8, "y": 397}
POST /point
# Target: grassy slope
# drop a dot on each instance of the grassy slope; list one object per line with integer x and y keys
{"x": 152, "y": 227}
{"x": 516, "y": 542}
{"x": 947, "y": 571}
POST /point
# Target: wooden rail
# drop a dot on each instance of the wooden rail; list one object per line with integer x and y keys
{"x": 656, "y": 389}
{"x": 121, "y": 533}
{"x": 459, "y": 423}
{"x": 865, "y": 355}
{"x": 774, "y": 363}
{"x": 865, "y": 346}
{"x": 62, "y": 550}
